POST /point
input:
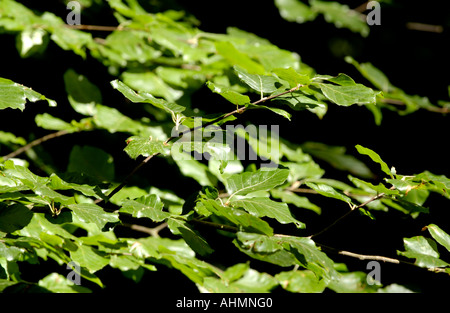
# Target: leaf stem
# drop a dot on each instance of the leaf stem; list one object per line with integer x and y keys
{"x": 353, "y": 208}
{"x": 239, "y": 110}
{"x": 35, "y": 143}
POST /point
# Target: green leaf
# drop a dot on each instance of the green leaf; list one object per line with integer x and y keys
{"x": 89, "y": 257}
{"x": 83, "y": 96}
{"x": 354, "y": 282}
{"x": 14, "y": 217}
{"x": 436, "y": 183}
{"x": 439, "y": 235}
{"x": 236, "y": 57}
{"x": 424, "y": 250}
{"x": 328, "y": 191}
{"x": 336, "y": 156}
{"x": 278, "y": 111}
{"x": 47, "y": 121}
{"x": 58, "y": 283}
{"x": 114, "y": 121}
{"x": 247, "y": 182}
{"x": 295, "y": 11}
{"x": 253, "y": 281}
{"x": 238, "y": 217}
{"x": 149, "y": 82}
{"x": 7, "y": 138}
{"x": 260, "y": 207}
{"x": 300, "y": 281}
{"x": 347, "y": 95}
{"x": 131, "y": 46}
{"x": 92, "y": 213}
{"x": 341, "y": 16}
{"x": 292, "y": 76}
{"x": 373, "y": 74}
{"x": 143, "y": 146}
{"x": 144, "y": 97}
{"x": 31, "y": 42}
{"x": 375, "y": 157}
{"x": 149, "y": 206}
{"x": 290, "y": 197}
{"x": 56, "y": 183}
{"x": 229, "y": 94}
{"x": 92, "y": 162}
{"x": 380, "y": 188}
{"x": 40, "y": 224}
{"x": 263, "y": 84}
{"x": 14, "y": 95}
{"x": 196, "y": 170}
{"x": 286, "y": 251}
{"x": 192, "y": 238}
{"x": 64, "y": 37}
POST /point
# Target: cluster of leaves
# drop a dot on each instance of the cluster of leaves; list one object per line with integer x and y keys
{"x": 160, "y": 59}
{"x": 333, "y": 12}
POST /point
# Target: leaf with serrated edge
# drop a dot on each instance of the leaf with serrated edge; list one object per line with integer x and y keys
{"x": 261, "y": 206}
{"x": 244, "y": 183}
{"x": 92, "y": 213}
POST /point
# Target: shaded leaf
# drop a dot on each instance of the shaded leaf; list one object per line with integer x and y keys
{"x": 238, "y": 217}
{"x": 83, "y": 96}
{"x": 14, "y": 217}
{"x": 91, "y": 161}
{"x": 192, "y": 238}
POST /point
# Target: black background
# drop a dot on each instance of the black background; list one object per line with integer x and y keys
{"x": 414, "y": 61}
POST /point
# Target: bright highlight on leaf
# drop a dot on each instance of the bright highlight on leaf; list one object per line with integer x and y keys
{"x": 15, "y": 96}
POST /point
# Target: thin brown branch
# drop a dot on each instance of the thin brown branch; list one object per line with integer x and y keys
{"x": 227, "y": 228}
{"x": 237, "y": 111}
{"x": 376, "y": 258}
{"x": 35, "y": 143}
{"x": 95, "y": 27}
{"x": 353, "y": 208}
{"x": 444, "y": 110}
{"x": 425, "y": 27}
{"x": 154, "y": 232}
{"x": 125, "y": 181}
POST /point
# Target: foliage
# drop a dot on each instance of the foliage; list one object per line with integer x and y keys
{"x": 159, "y": 60}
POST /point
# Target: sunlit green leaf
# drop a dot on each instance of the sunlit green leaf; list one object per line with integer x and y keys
{"x": 15, "y": 96}
{"x": 245, "y": 183}
{"x": 146, "y": 206}
{"x": 265, "y": 207}
{"x": 92, "y": 213}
